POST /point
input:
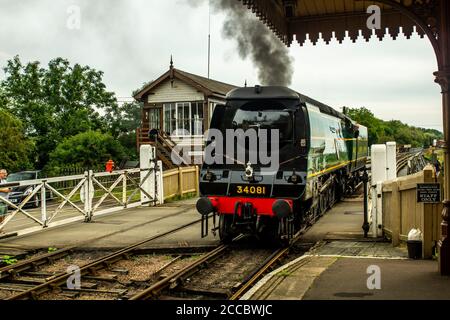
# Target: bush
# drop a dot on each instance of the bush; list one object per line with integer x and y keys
{"x": 88, "y": 150}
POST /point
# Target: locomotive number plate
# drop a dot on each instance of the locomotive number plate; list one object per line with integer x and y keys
{"x": 250, "y": 190}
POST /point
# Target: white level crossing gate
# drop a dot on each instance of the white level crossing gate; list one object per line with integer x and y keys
{"x": 37, "y": 204}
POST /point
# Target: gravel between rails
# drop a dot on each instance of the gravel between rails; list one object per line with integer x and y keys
{"x": 229, "y": 270}
{"x": 76, "y": 259}
{"x": 141, "y": 274}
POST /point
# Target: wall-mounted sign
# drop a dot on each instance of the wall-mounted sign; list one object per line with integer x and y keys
{"x": 429, "y": 192}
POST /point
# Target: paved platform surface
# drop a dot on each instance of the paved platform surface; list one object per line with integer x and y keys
{"x": 342, "y": 264}
{"x": 120, "y": 229}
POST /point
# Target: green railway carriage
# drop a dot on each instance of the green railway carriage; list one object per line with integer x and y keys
{"x": 321, "y": 154}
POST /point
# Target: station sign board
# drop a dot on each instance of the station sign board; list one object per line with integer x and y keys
{"x": 428, "y": 193}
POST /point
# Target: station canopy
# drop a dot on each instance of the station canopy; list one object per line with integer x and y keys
{"x": 337, "y": 18}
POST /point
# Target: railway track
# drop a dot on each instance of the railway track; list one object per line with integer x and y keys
{"x": 30, "y": 265}
{"x": 226, "y": 272}
{"x": 12, "y": 275}
{"x": 166, "y": 277}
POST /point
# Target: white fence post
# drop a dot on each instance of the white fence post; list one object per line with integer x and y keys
{"x": 124, "y": 190}
{"x": 91, "y": 193}
{"x": 84, "y": 195}
{"x": 160, "y": 185}
{"x": 87, "y": 194}
{"x": 44, "y": 204}
{"x": 147, "y": 157}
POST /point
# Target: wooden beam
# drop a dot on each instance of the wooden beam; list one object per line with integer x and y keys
{"x": 340, "y": 23}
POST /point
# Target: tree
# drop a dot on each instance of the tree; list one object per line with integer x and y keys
{"x": 15, "y": 147}
{"x": 365, "y": 117}
{"x": 88, "y": 150}
{"x": 122, "y": 123}
{"x": 57, "y": 102}
{"x": 394, "y": 130}
{"x": 3, "y": 100}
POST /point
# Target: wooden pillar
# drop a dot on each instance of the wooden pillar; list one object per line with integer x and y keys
{"x": 396, "y": 213}
{"x": 443, "y": 78}
{"x": 180, "y": 181}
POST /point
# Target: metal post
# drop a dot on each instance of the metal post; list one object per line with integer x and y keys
{"x": 366, "y": 226}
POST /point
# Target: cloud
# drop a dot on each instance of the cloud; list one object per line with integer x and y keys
{"x": 131, "y": 41}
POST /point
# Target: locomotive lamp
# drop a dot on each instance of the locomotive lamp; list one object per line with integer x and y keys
{"x": 209, "y": 176}
{"x": 295, "y": 178}
{"x": 249, "y": 171}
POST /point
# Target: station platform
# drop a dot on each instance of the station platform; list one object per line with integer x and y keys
{"x": 343, "y": 265}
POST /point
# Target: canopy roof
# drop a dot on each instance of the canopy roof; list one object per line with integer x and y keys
{"x": 299, "y": 18}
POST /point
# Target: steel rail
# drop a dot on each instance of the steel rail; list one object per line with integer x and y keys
{"x": 175, "y": 278}
{"x": 30, "y": 264}
{"x": 93, "y": 266}
{"x": 247, "y": 284}
{"x": 254, "y": 276}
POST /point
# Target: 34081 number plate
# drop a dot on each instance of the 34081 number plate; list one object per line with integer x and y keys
{"x": 250, "y": 190}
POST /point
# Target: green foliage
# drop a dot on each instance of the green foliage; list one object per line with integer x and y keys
{"x": 56, "y": 102}
{"x": 51, "y": 249}
{"x": 122, "y": 123}
{"x": 9, "y": 260}
{"x": 86, "y": 149}
{"x": 15, "y": 148}
{"x": 3, "y": 100}
{"x": 383, "y": 131}
{"x": 123, "y": 119}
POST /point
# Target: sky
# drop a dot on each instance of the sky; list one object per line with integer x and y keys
{"x": 131, "y": 41}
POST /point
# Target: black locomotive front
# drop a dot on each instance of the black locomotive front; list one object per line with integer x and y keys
{"x": 255, "y": 167}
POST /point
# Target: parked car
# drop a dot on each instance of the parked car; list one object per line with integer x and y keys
{"x": 18, "y": 194}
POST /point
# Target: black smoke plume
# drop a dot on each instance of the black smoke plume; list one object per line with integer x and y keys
{"x": 255, "y": 40}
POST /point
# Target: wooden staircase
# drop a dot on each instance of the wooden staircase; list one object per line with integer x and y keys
{"x": 164, "y": 149}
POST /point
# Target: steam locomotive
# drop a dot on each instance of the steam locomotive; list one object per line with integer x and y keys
{"x": 321, "y": 155}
